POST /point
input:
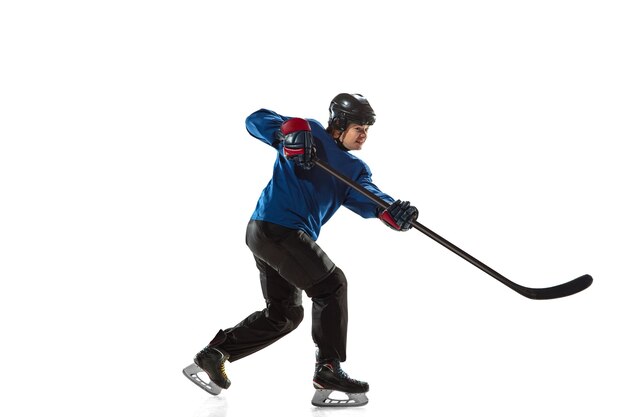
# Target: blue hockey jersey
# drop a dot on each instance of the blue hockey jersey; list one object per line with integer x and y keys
{"x": 307, "y": 199}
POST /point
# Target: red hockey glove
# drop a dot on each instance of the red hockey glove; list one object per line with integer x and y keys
{"x": 399, "y": 215}
{"x": 298, "y": 142}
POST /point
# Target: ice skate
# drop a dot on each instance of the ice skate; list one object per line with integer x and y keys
{"x": 329, "y": 378}
{"x": 210, "y": 360}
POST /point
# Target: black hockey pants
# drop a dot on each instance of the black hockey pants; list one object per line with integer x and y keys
{"x": 289, "y": 261}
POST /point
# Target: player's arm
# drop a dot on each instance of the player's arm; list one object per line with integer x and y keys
{"x": 397, "y": 216}
{"x": 294, "y": 134}
{"x": 360, "y": 204}
{"x": 265, "y": 125}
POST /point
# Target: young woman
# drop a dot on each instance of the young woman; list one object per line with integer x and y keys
{"x": 298, "y": 200}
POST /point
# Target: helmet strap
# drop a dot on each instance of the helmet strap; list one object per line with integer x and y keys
{"x": 339, "y": 140}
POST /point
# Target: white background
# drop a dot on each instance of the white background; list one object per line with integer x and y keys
{"x": 127, "y": 179}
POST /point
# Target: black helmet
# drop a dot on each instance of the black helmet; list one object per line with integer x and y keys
{"x": 350, "y": 108}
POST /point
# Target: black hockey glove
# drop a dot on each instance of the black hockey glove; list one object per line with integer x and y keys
{"x": 298, "y": 142}
{"x": 399, "y": 215}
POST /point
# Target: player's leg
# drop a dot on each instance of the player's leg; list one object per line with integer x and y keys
{"x": 330, "y": 319}
{"x": 303, "y": 263}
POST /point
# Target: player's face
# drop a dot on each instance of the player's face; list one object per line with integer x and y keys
{"x": 354, "y": 136}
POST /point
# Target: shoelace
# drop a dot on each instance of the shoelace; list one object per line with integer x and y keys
{"x": 342, "y": 374}
{"x": 206, "y": 350}
{"x": 223, "y": 370}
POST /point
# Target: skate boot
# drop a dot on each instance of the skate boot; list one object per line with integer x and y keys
{"x": 329, "y": 377}
{"x": 210, "y": 360}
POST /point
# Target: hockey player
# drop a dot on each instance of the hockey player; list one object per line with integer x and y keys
{"x": 281, "y": 234}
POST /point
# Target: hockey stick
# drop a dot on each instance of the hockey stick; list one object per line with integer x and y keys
{"x": 562, "y": 290}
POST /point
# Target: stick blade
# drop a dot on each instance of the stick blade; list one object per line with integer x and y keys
{"x": 563, "y": 290}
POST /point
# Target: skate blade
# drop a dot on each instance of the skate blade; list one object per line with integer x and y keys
{"x": 192, "y": 372}
{"x": 322, "y": 398}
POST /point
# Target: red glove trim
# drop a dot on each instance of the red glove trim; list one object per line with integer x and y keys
{"x": 293, "y": 152}
{"x": 294, "y": 125}
{"x": 386, "y": 217}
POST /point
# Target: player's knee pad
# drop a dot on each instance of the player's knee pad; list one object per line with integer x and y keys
{"x": 334, "y": 284}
